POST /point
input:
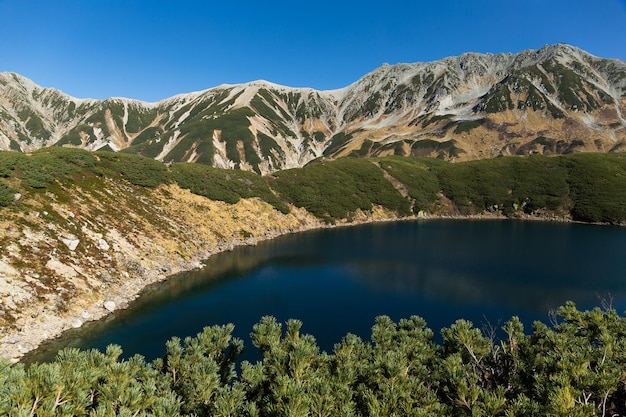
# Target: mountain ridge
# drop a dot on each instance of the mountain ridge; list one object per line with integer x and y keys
{"x": 556, "y": 99}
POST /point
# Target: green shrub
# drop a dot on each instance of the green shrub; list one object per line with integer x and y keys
{"x": 46, "y": 165}
{"x": 530, "y": 183}
{"x": 575, "y": 367}
{"x": 6, "y": 194}
{"x": 224, "y": 185}
{"x": 8, "y": 162}
{"x": 136, "y": 169}
{"x": 598, "y": 186}
{"x": 420, "y": 181}
{"x": 336, "y": 142}
{"x": 337, "y": 189}
{"x": 436, "y": 118}
{"x": 498, "y": 99}
{"x": 468, "y": 125}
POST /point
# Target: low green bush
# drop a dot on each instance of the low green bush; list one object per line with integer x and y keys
{"x": 506, "y": 184}
{"x": 337, "y": 189}
{"x": 46, "y": 165}
{"x": 8, "y": 162}
{"x": 136, "y": 169}
{"x": 574, "y": 367}
{"x": 6, "y": 194}
{"x": 420, "y": 181}
{"x": 598, "y": 186}
{"x": 224, "y": 185}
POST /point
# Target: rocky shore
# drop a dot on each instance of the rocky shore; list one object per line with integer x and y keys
{"x": 54, "y": 277}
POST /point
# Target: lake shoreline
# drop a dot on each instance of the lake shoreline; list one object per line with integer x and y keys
{"x": 15, "y": 346}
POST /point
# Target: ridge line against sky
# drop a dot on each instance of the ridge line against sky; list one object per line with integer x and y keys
{"x": 152, "y": 50}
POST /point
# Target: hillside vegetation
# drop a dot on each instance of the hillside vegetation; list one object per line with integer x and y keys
{"x": 574, "y": 368}
{"x": 584, "y": 187}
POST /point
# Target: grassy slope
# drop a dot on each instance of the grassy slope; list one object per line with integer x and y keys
{"x": 587, "y": 187}
{"x": 584, "y": 187}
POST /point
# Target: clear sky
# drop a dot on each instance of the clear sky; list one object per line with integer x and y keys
{"x": 150, "y": 50}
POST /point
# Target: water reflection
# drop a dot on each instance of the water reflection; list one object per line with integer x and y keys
{"x": 338, "y": 280}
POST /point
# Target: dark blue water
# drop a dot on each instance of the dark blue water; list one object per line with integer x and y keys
{"x": 338, "y": 280}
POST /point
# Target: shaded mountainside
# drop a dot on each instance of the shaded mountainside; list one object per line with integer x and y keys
{"x": 555, "y": 100}
{"x": 83, "y": 232}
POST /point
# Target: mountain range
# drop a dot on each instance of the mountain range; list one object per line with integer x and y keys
{"x": 557, "y": 99}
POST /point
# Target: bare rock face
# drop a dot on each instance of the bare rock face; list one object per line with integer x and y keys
{"x": 61, "y": 269}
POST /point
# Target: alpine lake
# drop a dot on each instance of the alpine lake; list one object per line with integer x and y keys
{"x": 338, "y": 280}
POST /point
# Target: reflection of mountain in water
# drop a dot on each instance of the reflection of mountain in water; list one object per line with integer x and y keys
{"x": 336, "y": 280}
{"x": 525, "y": 266}
{"x": 457, "y": 286}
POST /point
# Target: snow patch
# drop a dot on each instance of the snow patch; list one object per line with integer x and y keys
{"x": 234, "y": 91}
{"x": 113, "y": 146}
{"x": 182, "y": 118}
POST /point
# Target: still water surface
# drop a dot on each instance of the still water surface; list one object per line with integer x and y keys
{"x": 338, "y": 280}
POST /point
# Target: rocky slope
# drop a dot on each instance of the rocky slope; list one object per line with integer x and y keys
{"x": 74, "y": 255}
{"x": 80, "y": 238}
{"x": 557, "y": 99}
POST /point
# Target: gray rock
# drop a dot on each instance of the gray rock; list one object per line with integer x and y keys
{"x": 134, "y": 267}
{"x": 71, "y": 243}
{"x": 103, "y": 245}
{"x": 109, "y": 305}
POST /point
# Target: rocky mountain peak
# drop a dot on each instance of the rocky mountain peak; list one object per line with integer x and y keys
{"x": 552, "y": 100}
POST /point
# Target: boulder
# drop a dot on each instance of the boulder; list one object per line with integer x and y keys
{"x": 71, "y": 243}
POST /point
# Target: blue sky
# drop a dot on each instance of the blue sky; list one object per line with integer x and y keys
{"x": 150, "y": 50}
